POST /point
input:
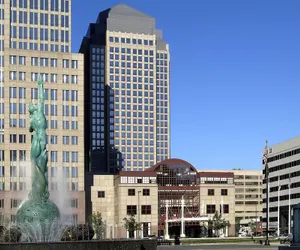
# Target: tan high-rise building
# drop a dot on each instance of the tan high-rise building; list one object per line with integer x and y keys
{"x": 35, "y": 40}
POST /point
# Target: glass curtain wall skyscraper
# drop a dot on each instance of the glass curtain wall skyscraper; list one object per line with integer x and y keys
{"x": 127, "y": 83}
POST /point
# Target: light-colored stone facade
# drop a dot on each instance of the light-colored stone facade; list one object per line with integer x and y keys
{"x": 113, "y": 195}
{"x": 217, "y": 194}
{"x": 63, "y": 83}
{"x": 248, "y": 193}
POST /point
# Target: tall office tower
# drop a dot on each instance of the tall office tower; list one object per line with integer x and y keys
{"x": 127, "y": 90}
{"x": 35, "y": 40}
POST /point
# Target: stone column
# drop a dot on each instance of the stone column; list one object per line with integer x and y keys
{"x": 167, "y": 236}
{"x": 182, "y": 235}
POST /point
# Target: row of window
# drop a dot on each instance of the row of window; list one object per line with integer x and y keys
{"x": 68, "y": 95}
{"x": 39, "y": 34}
{"x": 133, "y": 79}
{"x": 139, "y": 164}
{"x": 53, "y": 156}
{"x": 66, "y": 110}
{"x": 21, "y": 76}
{"x": 54, "y": 171}
{"x": 13, "y": 123}
{"x": 36, "y": 46}
{"x": 15, "y": 203}
{"x": 131, "y": 192}
{"x": 211, "y": 192}
{"x": 21, "y": 138}
{"x": 132, "y": 209}
{"x": 129, "y": 51}
{"x": 53, "y": 186}
{"x": 38, "y": 18}
{"x": 134, "y": 72}
{"x": 124, "y": 40}
{"x": 124, "y": 64}
{"x": 211, "y": 209}
{"x": 43, "y": 61}
{"x": 52, "y": 5}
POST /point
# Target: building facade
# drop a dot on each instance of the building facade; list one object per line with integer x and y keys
{"x": 169, "y": 199}
{"x": 127, "y": 91}
{"x": 35, "y": 41}
{"x": 284, "y": 192}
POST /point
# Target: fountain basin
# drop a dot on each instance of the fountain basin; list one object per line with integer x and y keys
{"x": 34, "y": 210}
{"x": 84, "y": 245}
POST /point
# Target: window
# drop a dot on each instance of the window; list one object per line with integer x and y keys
{"x": 74, "y": 203}
{"x": 13, "y": 138}
{"x": 22, "y": 60}
{"x": 13, "y": 59}
{"x": 131, "y": 210}
{"x": 146, "y": 209}
{"x": 224, "y": 192}
{"x": 131, "y": 192}
{"x": 101, "y": 194}
{"x": 226, "y": 209}
{"x": 22, "y": 138}
{"x": 53, "y": 62}
{"x": 210, "y": 192}
{"x": 210, "y": 209}
{"x": 146, "y": 192}
{"x": 65, "y": 63}
{"x": 74, "y": 64}
{"x": 74, "y": 172}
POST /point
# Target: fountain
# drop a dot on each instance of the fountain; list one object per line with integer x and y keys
{"x": 38, "y": 212}
{"x": 39, "y": 224}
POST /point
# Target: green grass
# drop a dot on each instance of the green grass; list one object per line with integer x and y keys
{"x": 223, "y": 240}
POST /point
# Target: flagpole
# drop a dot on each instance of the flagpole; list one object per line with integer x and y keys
{"x": 265, "y": 157}
{"x": 289, "y": 229}
{"x": 278, "y": 212}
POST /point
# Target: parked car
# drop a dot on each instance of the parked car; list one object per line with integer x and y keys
{"x": 286, "y": 238}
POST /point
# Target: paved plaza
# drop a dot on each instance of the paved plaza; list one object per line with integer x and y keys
{"x": 219, "y": 246}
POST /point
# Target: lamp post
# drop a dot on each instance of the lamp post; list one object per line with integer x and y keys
{"x": 256, "y": 220}
{"x": 139, "y": 215}
{"x": 265, "y": 158}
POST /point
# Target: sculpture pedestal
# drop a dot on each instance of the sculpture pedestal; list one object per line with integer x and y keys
{"x": 34, "y": 210}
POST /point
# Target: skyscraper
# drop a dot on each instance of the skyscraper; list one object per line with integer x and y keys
{"x": 127, "y": 91}
{"x": 35, "y": 40}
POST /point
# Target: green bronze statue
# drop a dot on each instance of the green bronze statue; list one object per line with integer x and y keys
{"x": 38, "y": 207}
{"x": 39, "y": 156}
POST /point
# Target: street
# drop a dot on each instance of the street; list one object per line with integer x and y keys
{"x": 219, "y": 246}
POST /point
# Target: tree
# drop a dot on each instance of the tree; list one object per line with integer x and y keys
{"x": 252, "y": 226}
{"x": 97, "y": 223}
{"x": 131, "y": 225}
{"x": 217, "y": 223}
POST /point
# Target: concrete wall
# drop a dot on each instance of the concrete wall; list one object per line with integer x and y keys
{"x": 86, "y": 245}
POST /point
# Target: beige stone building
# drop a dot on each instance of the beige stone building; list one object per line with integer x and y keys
{"x": 168, "y": 199}
{"x": 119, "y": 196}
{"x": 248, "y": 194}
{"x": 217, "y": 194}
{"x": 62, "y": 74}
{"x": 35, "y": 40}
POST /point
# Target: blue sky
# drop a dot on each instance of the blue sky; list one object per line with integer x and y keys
{"x": 235, "y": 74}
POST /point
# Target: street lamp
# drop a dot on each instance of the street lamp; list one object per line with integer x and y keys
{"x": 139, "y": 214}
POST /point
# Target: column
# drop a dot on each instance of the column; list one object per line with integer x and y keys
{"x": 182, "y": 235}
{"x": 167, "y": 236}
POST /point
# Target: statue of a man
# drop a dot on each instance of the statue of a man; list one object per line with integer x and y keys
{"x": 39, "y": 156}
